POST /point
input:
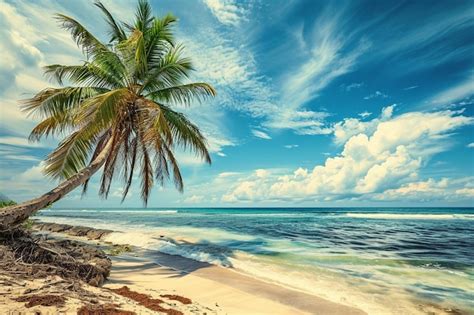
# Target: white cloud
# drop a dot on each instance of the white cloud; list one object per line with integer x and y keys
{"x": 194, "y": 199}
{"x": 19, "y": 141}
{"x": 411, "y": 88}
{"x": 353, "y": 126}
{"x": 365, "y": 114}
{"x": 227, "y": 174}
{"x": 466, "y": 192}
{"x": 226, "y": 11}
{"x": 118, "y": 193}
{"x": 455, "y": 93}
{"x": 353, "y": 86}
{"x": 470, "y": 145}
{"x": 376, "y": 94}
{"x": 291, "y": 146}
{"x": 260, "y": 134}
{"x": 383, "y": 157}
{"x": 35, "y": 173}
{"x": 330, "y": 54}
{"x": 431, "y": 189}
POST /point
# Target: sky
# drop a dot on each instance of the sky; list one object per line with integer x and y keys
{"x": 319, "y": 103}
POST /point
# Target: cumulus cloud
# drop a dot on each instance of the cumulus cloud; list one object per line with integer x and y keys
{"x": 429, "y": 190}
{"x": 349, "y": 127}
{"x": 386, "y": 154}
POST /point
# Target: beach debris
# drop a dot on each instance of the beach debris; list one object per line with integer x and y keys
{"x": 178, "y": 298}
{"x": 145, "y": 300}
{"x": 24, "y": 255}
{"x": 43, "y": 300}
{"x": 118, "y": 249}
{"x": 90, "y": 233}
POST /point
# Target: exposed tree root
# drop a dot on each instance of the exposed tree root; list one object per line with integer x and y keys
{"x": 23, "y": 255}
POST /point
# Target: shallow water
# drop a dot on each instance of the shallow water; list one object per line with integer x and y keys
{"x": 383, "y": 260}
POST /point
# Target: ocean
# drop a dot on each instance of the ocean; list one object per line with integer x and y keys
{"x": 382, "y": 260}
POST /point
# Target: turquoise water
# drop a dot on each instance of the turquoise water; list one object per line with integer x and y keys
{"x": 383, "y": 260}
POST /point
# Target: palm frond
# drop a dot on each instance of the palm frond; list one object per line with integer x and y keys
{"x": 185, "y": 133}
{"x": 133, "y": 160}
{"x": 56, "y": 101}
{"x": 146, "y": 174}
{"x": 183, "y": 94}
{"x": 160, "y": 39}
{"x": 177, "y": 178}
{"x": 116, "y": 32}
{"x": 90, "y": 45}
{"x": 53, "y": 125}
{"x": 143, "y": 16}
{"x": 71, "y": 154}
{"x": 134, "y": 55}
{"x": 88, "y": 75}
{"x": 111, "y": 163}
{"x": 170, "y": 71}
{"x": 102, "y": 110}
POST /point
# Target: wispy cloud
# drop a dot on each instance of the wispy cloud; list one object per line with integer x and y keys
{"x": 462, "y": 90}
{"x": 260, "y": 134}
{"x": 376, "y": 94}
{"x": 353, "y": 86}
{"x": 18, "y": 141}
{"x": 226, "y": 11}
{"x": 291, "y": 146}
{"x": 365, "y": 114}
{"x": 411, "y": 87}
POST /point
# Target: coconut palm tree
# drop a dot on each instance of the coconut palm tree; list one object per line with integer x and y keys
{"x": 117, "y": 110}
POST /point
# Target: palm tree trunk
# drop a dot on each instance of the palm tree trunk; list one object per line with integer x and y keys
{"x": 12, "y": 216}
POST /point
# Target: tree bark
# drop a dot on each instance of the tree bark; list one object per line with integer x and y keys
{"x": 12, "y": 216}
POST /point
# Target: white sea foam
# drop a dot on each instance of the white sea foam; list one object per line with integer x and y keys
{"x": 201, "y": 244}
{"x": 397, "y": 216}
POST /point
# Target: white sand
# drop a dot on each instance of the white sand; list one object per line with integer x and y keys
{"x": 216, "y": 288}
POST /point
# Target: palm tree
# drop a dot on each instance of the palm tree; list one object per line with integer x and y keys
{"x": 117, "y": 111}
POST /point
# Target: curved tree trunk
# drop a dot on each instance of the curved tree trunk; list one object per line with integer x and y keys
{"x": 12, "y": 216}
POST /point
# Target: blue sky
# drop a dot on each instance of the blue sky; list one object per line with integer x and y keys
{"x": 320, "y": 103}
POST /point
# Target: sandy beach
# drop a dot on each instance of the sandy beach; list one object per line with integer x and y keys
{"x": 224, "y": 291}
{"x": 181, "y": 285}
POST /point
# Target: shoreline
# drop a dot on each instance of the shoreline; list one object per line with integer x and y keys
{"x": 213, "y": 289}
{"x": 246, "y": 283}
{"x": 213, "y": 286}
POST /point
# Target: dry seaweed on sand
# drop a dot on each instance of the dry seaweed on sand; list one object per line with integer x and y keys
{"x": 145, "y": 300}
